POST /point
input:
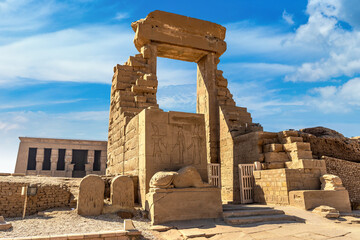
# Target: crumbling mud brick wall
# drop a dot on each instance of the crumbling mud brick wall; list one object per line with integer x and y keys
{"x": 47, "y": 196}
{"x": 333, "y": 146}
{"x": 349, "y": 172}
{"x": 273, "y": 186}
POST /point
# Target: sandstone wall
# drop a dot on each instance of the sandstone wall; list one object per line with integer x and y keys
{"x": 273, "y": 186}
{"x": 133, "y": 89}
{"x": 47, "y": 196}
{"x": 349, "y": 172}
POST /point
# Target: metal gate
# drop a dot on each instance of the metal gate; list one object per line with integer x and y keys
{"x": 214, "y": 174}
{"x": 246, "y": 179}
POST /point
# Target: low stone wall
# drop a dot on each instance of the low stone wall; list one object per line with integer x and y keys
{"x": 349, "y": 172}
{"x": 48, "y": 195}
{"x": 113, "y": 235}
{"x": 273, "y": 186}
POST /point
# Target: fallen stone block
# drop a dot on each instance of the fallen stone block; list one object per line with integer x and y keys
{"x": 309, "y": 199}
{"x": 326, "y": 211}
{"x": 331, "y": 182}
{"x": 4, "y": 225}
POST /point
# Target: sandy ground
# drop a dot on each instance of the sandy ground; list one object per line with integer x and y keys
{"x": 66, "y": 221}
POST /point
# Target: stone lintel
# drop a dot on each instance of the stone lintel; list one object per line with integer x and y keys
{"x": 184, "y": 32}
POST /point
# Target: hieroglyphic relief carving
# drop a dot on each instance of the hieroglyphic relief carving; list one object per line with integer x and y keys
{"x": 159, "y": 146}
{"x": 180, "y": 145}
{"x": 195, "y": 144}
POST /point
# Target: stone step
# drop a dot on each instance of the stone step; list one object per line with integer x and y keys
{"x": 259, "y": 219}
{"x": 234, "y": 207}
{"x": 252, "y": 212}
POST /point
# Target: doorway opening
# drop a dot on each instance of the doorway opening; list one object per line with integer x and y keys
{"x": 79, "y": 159}
{"x": 176, "y": 85}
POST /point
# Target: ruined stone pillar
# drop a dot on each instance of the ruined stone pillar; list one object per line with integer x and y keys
{"x": 68, "y": 166}
{"x": 207, "y": 104}
{"x": 39, "y": 160}
{"x": 103, "y": 162}
{"x": 54, "y": 158}
{"x": 89, "y": 166}
{"x": 149, "y": 52}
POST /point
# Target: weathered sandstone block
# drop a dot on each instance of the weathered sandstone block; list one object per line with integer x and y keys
{"x": 183, "y": 204}
{"x": 162, "y": 180}
{"x": 4, "y": 225}
{"x": 188, "y": 177}
{"x": 326, "y": 211}
{"x": 276, "y": 157}
{"x": 309, "y": 199}
{"x": 122, "y": 191}
{"x": 331, "y": 182}
{"x": 273, "y": 148}
{"x": 91, "y": 196}
{"x": 297, "y": 146}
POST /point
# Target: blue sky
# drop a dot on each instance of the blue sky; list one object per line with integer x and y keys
{"x": 293, "y": 64}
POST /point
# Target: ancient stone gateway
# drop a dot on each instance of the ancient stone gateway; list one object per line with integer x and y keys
{"x": 142, "y": 143}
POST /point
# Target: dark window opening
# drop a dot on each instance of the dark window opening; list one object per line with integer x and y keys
{"x": 47, "y": 161}
{"x": 32, "y": 159}
{"x": 97, "y": 163}
{"x": 61, "y": 160}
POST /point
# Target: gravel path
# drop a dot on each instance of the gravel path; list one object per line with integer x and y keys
{"x": 66, "y": 221}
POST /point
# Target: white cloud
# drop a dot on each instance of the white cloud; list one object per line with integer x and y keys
{"x": 268, "y": 43}
{"x": 256, "y": 71}
{"x": 8, "y": 126}
{"x": 341, "y": 46}
{"x": 288, "y": 17}
{"x": 81, "y": 54}
{"x": 332, "y": 99}
{"x": 36, "y": 103}
{"x": 24, "y": 15}
{"x": 121, "y": 15}
{"x": 319, "y": 50}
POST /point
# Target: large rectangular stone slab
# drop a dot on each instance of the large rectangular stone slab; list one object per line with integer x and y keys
{"x": 276, "y": 157}
{"x": 170, "y": 141}
{"x": 189, "y": 36}
{"x": 297, "y": 146}
{"x": 167, "y": 205}
{"x": 274, "y": 147}
{"x": 309, "y": 199}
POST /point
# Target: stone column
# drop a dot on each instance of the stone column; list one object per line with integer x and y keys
{"x": 103, "y": 162}
{"x": 39, "y": 160}
{"x": 69, "y": 167}
{"x": 54, "y": 159}
{"x": 89, "y": 167}
{"x": 208, "y": 105}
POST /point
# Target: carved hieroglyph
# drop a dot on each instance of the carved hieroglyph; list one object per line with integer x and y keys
{"x": 122, "y": 191}
{"x": 91, "y": 196}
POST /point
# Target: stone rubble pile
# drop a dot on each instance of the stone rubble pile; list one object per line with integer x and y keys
{"x": 331, "y": 182}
